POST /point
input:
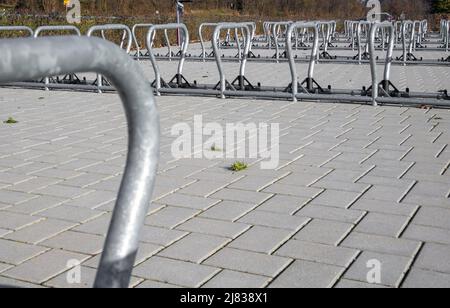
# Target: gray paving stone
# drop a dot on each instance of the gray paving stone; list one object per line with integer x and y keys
{"x": 36, "y": 205}
{"x": 14, "y": 197}
{"x": 427, "y": 234}
{"x": 214, "y": 227}
{"x": 77, "y": 242}
{"x": 16, "y": 253}
{"x": 381, "y": 244}
{"x": 385, "y": 207}
{"x": 15, "y": 221}
{"x": 44, "y": 267}
{"x": 303, "y": 179}
{"x": 168, "y": 271}
{"x": 422, "y": 279}
{"x": 331, "y": 213}
{"x": 40, "y": 231}
{"x": 203, "y": 188}
{"x": 98, "y": 225}
{"x": 253, "y": 183}
{"x": 194, "y": 247}
{"x": 383, "y": 224}
{"x": 274, "y": 220}
{"x": 70, "y": 213}
{"x": 187, "y": 201}
{"x": 262, "y": 239}
{"x": 93, "y": 200}
{"x": 341, "y": 186}
{"x": 433, "y": 217}
{"x": 434, "y": 257}
{"x": 386, "y": 193}
{"x": 393, "y": 268}
{"x": 337, "y": 198}
{"x": 62, "y": 191}
{"x": 284, "y": 204}
{"x": 87, "y": 280}
{"x": 34, "y": 184}
{"x": 228, "y": 210}
{"x": 431, "y": 189}
{"x": 227, "y": 279}
{"x": 291, "y": 190}
{"x": 324, "y": 232}
{"x": 242, "y": 196}
{"x": 305, "y": 274}
{"x": 145, "y": 252}
{"x": 170, "y": 217}
{"x": 248, "y": 262}
{"x": 320, "y": 253}
{"x": 161, "y": 236}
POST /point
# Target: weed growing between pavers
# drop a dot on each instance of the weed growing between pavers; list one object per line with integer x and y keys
{"x": 214, "y": 148}
{"x": 10, "y": 121}
{"x": 238, "y": 166}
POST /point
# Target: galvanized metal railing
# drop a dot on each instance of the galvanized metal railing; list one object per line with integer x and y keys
{"x": 127, "y": 34}
{"x": 47, "y": 30}
{"x": 56, "y": 56}
{"x": 386, "y": 83}
{"x": 136, "y": 40}
{"x": 25, "y": 29}
{"x": 58, "y": 29}
{"x": 314, "y": 56}
{"x": 179, "y": 79}
{"x": 223, "y": 83}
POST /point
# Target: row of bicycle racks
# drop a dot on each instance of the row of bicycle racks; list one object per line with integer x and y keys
{"x": 317, "y": 41}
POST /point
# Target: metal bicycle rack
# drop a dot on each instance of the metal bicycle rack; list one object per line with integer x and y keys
{"x": 59, "y": 56}
{"x": 69, "y": 78}
{"x": 101, "y": 81}
{"x": 240, "y": 82}
{"x": 389, "y": 93}
{"x": 178, "y": 81}
{"x": 139, "y": 55}
{"x": 22, "y": 29}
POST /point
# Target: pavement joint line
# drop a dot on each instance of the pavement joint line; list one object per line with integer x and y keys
{"x": 409, "y": 221}
{"x": 346, "y": 269}
{"x": 411, "y": 264}
{"x": 293, "y": 233}
{"x": 407, "y": 170}
{"x": 406, "y": 154}
{"x": 411, "y": 186}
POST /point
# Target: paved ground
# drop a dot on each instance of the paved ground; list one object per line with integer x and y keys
{"x": 355, "y": 183}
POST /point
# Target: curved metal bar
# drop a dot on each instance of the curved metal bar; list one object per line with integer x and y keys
{"x": 17, "y": 29}
{"x": 135, "y": 39}
{"x": 314, "y": 53}
{"x": 200, "y": 35}
{"x": 215, "y": 37}
{"x": 389, "y": 57}
{"x": 276, "y": 26}
{"x": 102, "y": 29}
{"x": 184, "y": 47}
{"x": 26, "y": 59}
{"x": 67, "y": 28}
{"x": 407, "y": 24}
